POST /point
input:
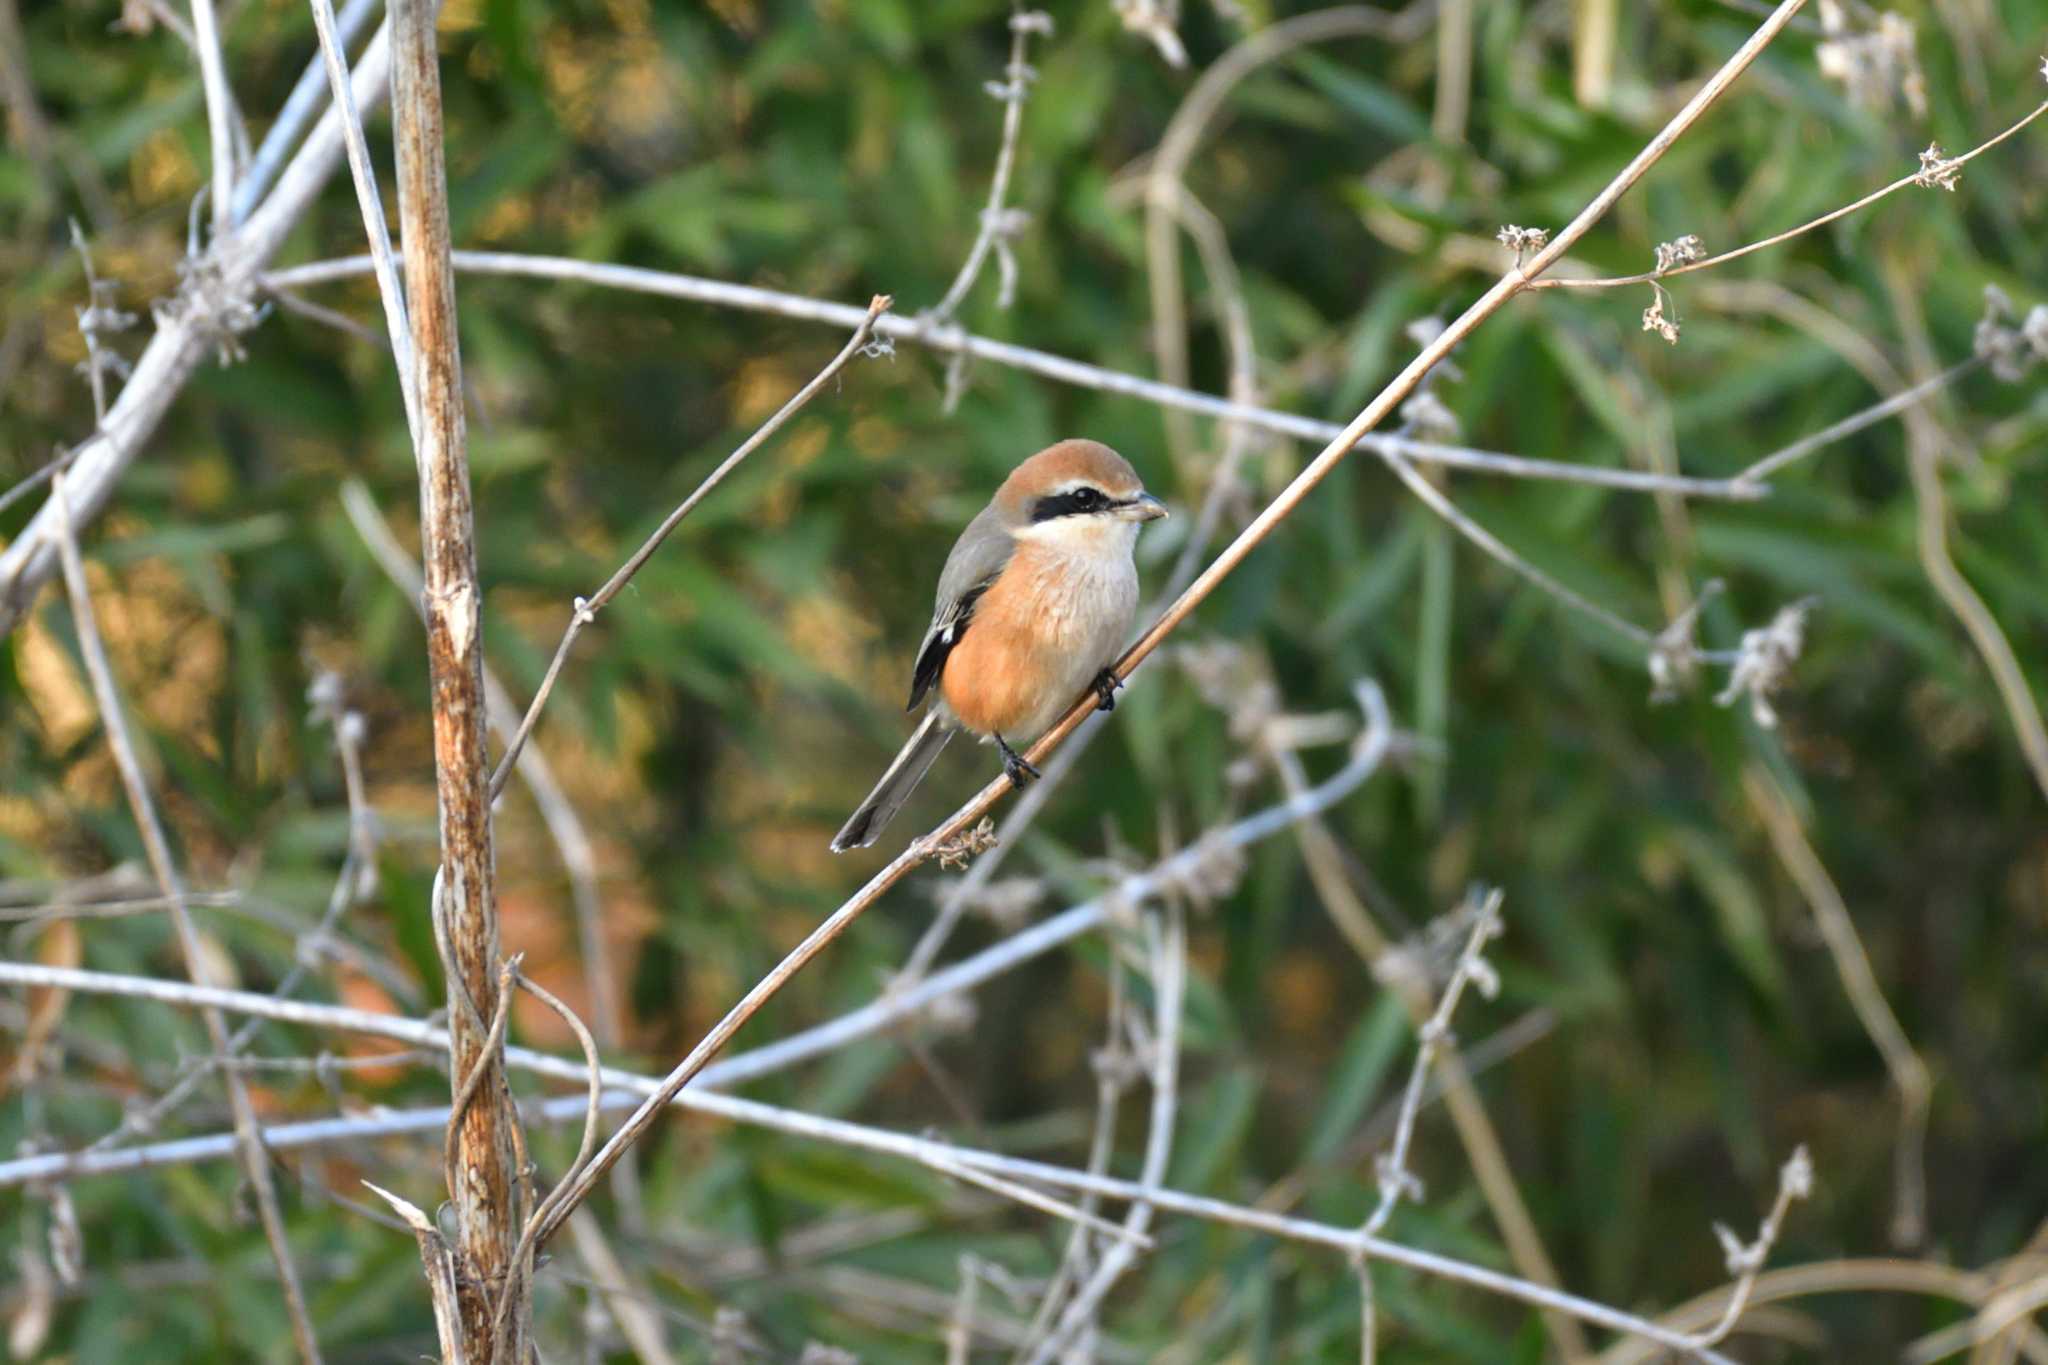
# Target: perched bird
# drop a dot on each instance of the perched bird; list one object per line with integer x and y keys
{"x": 1034, "y": 605}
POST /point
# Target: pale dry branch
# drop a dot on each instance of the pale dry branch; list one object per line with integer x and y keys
{"x": 632, "y": 1306}
{"x": 585, "y": 610}
{"x": 952, "y": 339}
{"x": 351, "y": 884}
{"x": 1115, "y": 1070}
{"x": 1931, "y": 528}
{"x": 922, "y": 1151}
{"x": 1855, "y": 422}
{"x": 106, "y": 693}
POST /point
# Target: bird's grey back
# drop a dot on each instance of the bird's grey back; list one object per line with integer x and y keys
{"x": 980, "y": 553}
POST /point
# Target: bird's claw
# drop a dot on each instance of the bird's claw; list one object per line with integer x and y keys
{"x": 1015, "y": 766}
{"x": 1106, "y": 684}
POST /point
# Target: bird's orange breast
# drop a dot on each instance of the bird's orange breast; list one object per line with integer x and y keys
{"x": 1019, "y": 656}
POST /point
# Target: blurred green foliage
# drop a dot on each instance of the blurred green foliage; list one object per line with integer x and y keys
{"x": 733, "y": 704}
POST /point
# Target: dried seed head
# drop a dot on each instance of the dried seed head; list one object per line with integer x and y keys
{"x": 1521, "y": 240}
{"x": 1674, "y": 657}
{"x": 1937, "y": 171}
{"x": 1765, "y": 660}
{"x": 2010, "y": 350}
{"x": 1876, "y": 66}
{"x": 1654, "y": 320}
{"x": 1681, "y": 251}
{"x": 1427, "y": 419}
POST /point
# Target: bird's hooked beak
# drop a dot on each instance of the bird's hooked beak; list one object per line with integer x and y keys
{"x": 1144, "y": 507}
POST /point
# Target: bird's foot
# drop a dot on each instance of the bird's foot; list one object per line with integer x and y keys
{"x": 1015, "y": 766}
{"x": 1106, "y": 684}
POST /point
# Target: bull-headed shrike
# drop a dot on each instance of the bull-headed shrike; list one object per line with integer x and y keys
{"x": 1035, "y": 603}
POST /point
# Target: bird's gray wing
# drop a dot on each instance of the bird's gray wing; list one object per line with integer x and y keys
{"x": 978, "y": 556}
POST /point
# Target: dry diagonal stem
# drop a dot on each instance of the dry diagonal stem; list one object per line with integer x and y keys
{"x": 255, "y": 1162}
{"x": 1388, "y": 400}
{"x": 1873, "y": 1275}
{"x": 1931, "y": 521}
{"x": 763, "y": 990}
{"x": 1475, "y": 1128}
{"x": 586, "y": 609}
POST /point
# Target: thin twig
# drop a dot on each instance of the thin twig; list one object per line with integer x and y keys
{"x": 585, "y": 610}
{"x": 952, "y": 339}
{"x": 1838, "y": 930}
{"x": 518, "y": 1287}
{"x": 1746, "y": 1260}
{"x": 255, "y": 1163}
{"x": 220, "y": 113}
{"x": 1873, "y": 1275}
{"x": 1918, "y": 177}
{"x": 1855, "y": 422}
{"x": 1184, "y": 132}
{"x": 998, "y": 224}
{"x": 357, "y": 865}
{"x": 334, "y": 57}
{"x": 1396, "y": 1181}
{"x": 1454, "y": 1067}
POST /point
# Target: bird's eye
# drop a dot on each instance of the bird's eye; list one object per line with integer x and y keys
{"x": 1074, "y": 502}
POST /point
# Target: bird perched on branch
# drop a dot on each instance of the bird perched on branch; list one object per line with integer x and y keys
{"x": 1034, "y": 604}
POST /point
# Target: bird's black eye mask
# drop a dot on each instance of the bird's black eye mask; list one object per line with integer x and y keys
{"x": 1072, "y": 503}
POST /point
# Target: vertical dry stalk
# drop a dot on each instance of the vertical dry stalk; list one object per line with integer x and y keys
{"x": 486, "y": 1168}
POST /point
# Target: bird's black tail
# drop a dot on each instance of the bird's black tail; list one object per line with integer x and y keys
{"x": 896, "y": 785}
